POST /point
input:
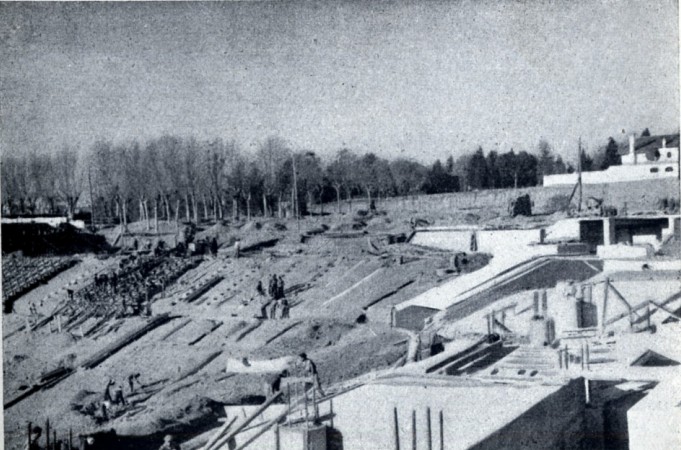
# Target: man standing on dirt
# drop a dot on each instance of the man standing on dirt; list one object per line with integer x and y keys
{"x": 107, "y": 391}
{"x": 273, "y": 287}
{"x": 280, "y": 287}
{"x": 237, "y": 249}
{"x": 214, "y": 247}
{"x": 310, "y": 371}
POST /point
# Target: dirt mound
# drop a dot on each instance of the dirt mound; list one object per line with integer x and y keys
{"x": 313, "y": 334}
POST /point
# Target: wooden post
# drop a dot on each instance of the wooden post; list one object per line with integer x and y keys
{"x": 314, "y": 403}
{"x": 581, "y": 356}
{"x": 277, "y": 441}
{"x": 605, "y": 304}
{"x": 587, "y": 392}
{"x": 560, "y": 358}
{"x": 54, "y": 438}
{"x": 29, "y": 434}
{"x": 567, "y": 358}
{"x": 306, "y": 411}
{"x": 59, "y": 322}
{"x": 648, "y": 315}
{"x": 331, "y": 410}
{"x": 288, "y": 401}
{"x": 587, "y": 356}
{"x": 47, "y": 434}
{"x": 430, "y": 436}
{"x": 442, "y": 431}
{"x": 396, "y": 429}
{"x": 70, "y": 439}
{"x": 413, "y": 429}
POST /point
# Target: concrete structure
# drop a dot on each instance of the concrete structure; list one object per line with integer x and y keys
{"x": 640, "y": 163}
{"x": 655, "y": 421}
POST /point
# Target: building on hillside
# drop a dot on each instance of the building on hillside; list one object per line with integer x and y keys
{"x": 645, "y": 158}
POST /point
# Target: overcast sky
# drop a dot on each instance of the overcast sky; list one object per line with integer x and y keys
{"x": 416, "y": 79}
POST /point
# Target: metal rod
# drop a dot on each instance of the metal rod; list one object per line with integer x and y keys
{"x": 430, "y": 436}
{"x": 442, "y": 431}
{"x": 413, "y": 429}
{"x": 396, "y": 429}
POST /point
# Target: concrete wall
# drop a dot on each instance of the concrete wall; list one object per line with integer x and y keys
{"x": 557, "y": 422}
{"x": 618, "y": 174}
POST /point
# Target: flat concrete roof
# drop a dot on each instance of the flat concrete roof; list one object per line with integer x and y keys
{"x": 472, "y": 410}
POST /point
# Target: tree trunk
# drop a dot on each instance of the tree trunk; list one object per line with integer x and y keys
{"x": 279, "y": 212}
{"x": 221, "y": 213}
{"x": 167, "y": 206}
{"x": 195, "y": 208}
{"x": 177, "y": 212}
{"x": 321, "y": 202}
{"x": 205, "y": 207}
{"x": 125, "y": 215}
{"x": 248, "y": 206}
{"x": 146, "y": 213}
{"x": 235, "y": 208}
{"x": 186, "y": 206}
{"x": 156, "y": 215}
{"x": 264, "y": 204}
{"x": 368, "y": 198}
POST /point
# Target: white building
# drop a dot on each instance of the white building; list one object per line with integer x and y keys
{"x": 647, "y": 158}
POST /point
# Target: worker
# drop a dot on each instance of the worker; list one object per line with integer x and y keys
{"x": 118, "y": 398}
{"x": 89, "y": 443}
{"x": 132, "y": 378}
{"x": 214, "y": 246}
{"x": 280, "y": 287}
{"x": 275, "y": 384}
{"x": 273, "y": 286}
{"x": 309, "y": 369}
{"x": 237, "y": 249}
{"x": 107, "y": 391}
{"x": 259, "y": 289}
{"x": 274, "y": 309}
{"x": 284, "y": 308}
{"x": 169, "y": 443}
{"x": 34, "y": 438}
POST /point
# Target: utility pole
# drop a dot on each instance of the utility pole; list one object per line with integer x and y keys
{"x": 92, "y": 198}
{"x": 579, "y": 173}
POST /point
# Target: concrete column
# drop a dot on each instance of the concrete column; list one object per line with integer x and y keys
{"x": 609, "y": 237}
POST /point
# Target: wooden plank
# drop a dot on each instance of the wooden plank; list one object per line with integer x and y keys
{"x": 204, "y": 288}
{"x": 213, "y": 328}
{"x": 247, "y": 331}
{"x": 282, "y": 332}
{"x": 176, "y": 329}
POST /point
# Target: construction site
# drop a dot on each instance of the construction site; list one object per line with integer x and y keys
{"x": 458, "y": 327}
{"x": 348, "y": 225}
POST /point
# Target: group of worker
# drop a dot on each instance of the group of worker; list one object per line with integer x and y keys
{"x": 113, "y": 393}
{"x": 273, "y": 304}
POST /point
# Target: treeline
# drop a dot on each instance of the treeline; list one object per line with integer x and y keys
{"x": 173, "y": 178}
